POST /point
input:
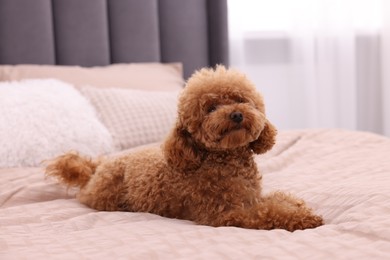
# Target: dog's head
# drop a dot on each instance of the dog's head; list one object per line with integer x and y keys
{"x": 218, "y": 110}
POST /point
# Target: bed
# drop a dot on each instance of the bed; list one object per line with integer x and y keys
{"x": 102, "y": 77}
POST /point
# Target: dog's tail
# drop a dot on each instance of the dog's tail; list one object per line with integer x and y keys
{"x": 72, "y": 169}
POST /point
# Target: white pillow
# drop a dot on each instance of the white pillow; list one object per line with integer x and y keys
{"x": 41, "y": 119}
{"x": 134, "y": 117}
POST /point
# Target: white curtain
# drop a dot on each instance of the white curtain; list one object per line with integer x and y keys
{"x": 385, "y": 59}
{"x": 319, "y": 63}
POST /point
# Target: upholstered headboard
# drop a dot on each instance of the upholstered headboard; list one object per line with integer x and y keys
{"x": 102, "y": 32}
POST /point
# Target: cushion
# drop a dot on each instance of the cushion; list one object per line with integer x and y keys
{"x": 134, "y": 117}
{"x": 145, "y": 76}
{"x": 41, "y": 119}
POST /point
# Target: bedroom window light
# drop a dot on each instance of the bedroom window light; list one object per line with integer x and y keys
{"x": 318, "y": 62}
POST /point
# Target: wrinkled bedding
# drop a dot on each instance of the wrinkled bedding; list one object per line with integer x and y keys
{"x": 343, "y": 175}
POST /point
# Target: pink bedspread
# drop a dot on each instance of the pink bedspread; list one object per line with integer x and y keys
{"x": 345, "y": 176}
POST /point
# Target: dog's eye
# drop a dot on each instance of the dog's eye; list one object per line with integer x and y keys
{"x": 240, "y": 100}
{"x": 211, "y": 108}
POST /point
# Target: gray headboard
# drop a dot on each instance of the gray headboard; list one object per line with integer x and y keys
{"x": 102, "y": 32}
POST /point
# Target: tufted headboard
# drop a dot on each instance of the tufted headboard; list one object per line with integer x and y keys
{"x": 102, "y": 32}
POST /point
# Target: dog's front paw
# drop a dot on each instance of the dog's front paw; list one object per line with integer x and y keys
{"x": 290, "y": 213}
{"x": 306, "y": 221}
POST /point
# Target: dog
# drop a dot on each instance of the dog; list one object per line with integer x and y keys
{"x": 205, "y": 169}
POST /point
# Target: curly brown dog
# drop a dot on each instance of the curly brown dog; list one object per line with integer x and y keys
{"x": 205, "y": 171}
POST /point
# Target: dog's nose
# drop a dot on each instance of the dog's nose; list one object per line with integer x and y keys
{"x": 236, "y": 117}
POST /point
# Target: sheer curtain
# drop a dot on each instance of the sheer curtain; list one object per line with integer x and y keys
{"x": 385, "y": 44}
{"x": 319, "y": 63}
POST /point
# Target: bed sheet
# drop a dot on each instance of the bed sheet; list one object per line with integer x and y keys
{"x": 343, "y": 175}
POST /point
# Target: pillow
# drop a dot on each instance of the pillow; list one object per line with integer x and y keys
{"x": 41, "y": 119}
{"x": 134, "y": 117}
{"x": 145, "y": 76}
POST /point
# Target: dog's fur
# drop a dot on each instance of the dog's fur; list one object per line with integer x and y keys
{"x": 205, "y": 171}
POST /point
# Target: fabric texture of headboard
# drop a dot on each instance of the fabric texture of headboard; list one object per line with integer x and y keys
{"x": 102, "y": 32}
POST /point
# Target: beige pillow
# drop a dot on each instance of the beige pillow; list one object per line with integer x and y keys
{"x": 145, "y": 76}
{"x": 134, "y": 117}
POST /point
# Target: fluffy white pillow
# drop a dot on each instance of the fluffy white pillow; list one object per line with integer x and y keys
{"x": 41, "y": 119}
{"x": 134, "y": 117}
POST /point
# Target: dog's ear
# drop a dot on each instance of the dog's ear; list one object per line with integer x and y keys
{"x": 180, "y": 150}
{"x": 266, "y": 139}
